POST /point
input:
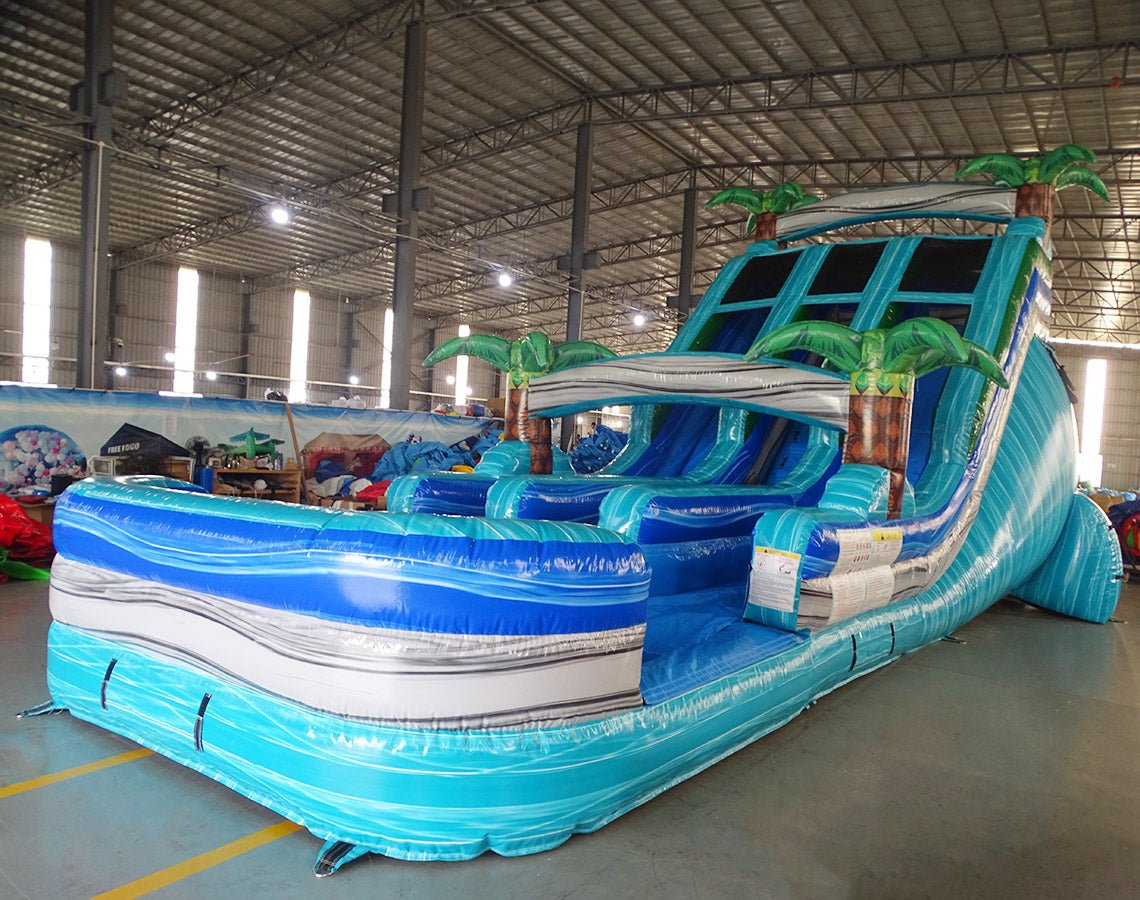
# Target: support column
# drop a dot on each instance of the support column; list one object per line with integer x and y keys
{"x": 579, "y": 230}
{"x": 347, "y": 341}
{"x": 94, "y": 99}
{"x": 578, "y": 260}
{"x": 686, "y": 299}
{"x": 407, "y": 232}
{"x": 245, "y": 330}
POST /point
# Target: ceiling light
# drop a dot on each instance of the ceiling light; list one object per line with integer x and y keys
{"x": 353, "y": 379}
{"x": 279, "y": 215}
{"x": 211, "y": 376}
{"x": 639, "y": 320}
{"x": 450, "y": 379}
{"x": 505, "y": 279}
{"x": 168, "y": 356}
{"x": 121, "y": 371}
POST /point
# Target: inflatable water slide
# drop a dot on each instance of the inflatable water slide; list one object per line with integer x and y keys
{"x": 851, "y": 448}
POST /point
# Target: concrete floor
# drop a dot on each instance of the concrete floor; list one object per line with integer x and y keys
{"x": 1006, "y": 766}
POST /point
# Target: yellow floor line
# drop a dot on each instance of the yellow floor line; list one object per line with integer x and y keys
{"x": 195, "y": 864}
{"x": 21, "y": 787}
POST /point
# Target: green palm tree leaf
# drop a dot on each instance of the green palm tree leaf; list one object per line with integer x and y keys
{"x": 805, "y": 200}
{"x": 1056, "y": 161}
{"x": 751, "y": 200}
{"x": 918, "y": 359}
{"x": 1077, "y": 175}
{"x": 925, "y": 344}
{"x": 536, "y": 353}
{"x": 750, "y": 225}
{"x": 1001, "y": 167}
{"x": 784, "y": 197}
{"x": 493, "y": 349}
{"x": 836, "y": 342}
{"x": 574, "y": 353}
{"x": 981, "y": 361}
{"x": 905, "y": 342}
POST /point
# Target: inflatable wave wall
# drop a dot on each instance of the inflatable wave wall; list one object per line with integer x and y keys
{"x": 435, "y": 686}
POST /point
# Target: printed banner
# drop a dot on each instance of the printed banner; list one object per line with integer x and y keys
{"x": 46, "y": 431}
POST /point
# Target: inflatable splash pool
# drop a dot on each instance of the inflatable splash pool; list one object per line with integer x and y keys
{"x": 432, "y": 686}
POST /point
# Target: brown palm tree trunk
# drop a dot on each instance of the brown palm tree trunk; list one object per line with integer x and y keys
{"x": 1036, "y": 200}
{"x": 535, "y": 432}
{"x": 513, "y": 423}
{"x": 765, "y": 227}
{"x": 878, "y": 427}
{"x": 541, "y": 453}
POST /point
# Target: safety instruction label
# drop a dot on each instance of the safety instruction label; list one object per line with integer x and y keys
{"x": 858, "y": 592}
{"x": 863, "y": 547}
{"x": 772, "y": 582}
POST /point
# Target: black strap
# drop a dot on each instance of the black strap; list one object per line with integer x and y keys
{"x": 891, "y": 652}
{"x": 198, "y": 722}
{"x": 103, "y": 686}
{"x": 854, "y": 653}
{"x": 330, "y": 859}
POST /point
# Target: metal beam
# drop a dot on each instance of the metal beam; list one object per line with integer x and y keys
{"x": 1072, "y": 67}
{"x": 407, "y": 232}
{"x": 1050, "y": 69}
{"x": 95, "y": 101}
{"x": 376, "y": 25}
{"x": 648, "y": 189}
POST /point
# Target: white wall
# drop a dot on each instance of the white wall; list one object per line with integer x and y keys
{"x": 1120, "y": 442}
{"x": 145, "y": 299}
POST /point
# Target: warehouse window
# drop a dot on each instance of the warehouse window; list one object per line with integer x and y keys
{"x": 37, "y": 311}
{"x": 386, "y": 359}
{"x": 299, "y": 349}
{"x": 461, "y": 388}
{"x": 185, "y": 331}
{"x": 1091, "y": 463}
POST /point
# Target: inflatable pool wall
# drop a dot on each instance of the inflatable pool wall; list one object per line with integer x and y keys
{"x": 432, "y": 687}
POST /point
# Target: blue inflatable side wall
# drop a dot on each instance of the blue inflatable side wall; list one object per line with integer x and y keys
{"x": 1081, "y": 576}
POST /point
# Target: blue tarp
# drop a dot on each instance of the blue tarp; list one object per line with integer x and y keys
{"x": 596, "y": 450}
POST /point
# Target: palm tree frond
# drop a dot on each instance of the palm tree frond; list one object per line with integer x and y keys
{"x": 493, "y": 349}
{"x": 981, "y": 361}
{"x": 1001, "y": 167}
{"x": 574, "y": 353}
{"x": 1079, "y": 176}
{"x": 836, "y": 342}
{"x": 751, "y": 200}
{"x": 925, "y": 344}
{"x": 1057, "y": 160}
{"x": 785, "y": 197}
{"x": 922, "y": 334}
{"x": 536, "y": 353}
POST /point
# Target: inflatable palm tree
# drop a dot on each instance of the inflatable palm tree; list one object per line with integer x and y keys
{"x": 764, "y": 206}
{"x": 523, "y": 359}
{"x": 1038, "y": 178}
{"x": 883, "y": 365}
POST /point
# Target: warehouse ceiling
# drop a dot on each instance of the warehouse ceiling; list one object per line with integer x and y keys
{"x": 236, "y": 104}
